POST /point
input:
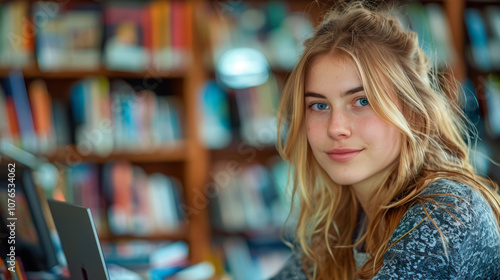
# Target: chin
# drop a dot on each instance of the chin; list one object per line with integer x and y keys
{"x": 344, "y": 181}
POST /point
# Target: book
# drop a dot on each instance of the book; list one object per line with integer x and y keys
{"x": 215, "y": 124}
{"x": 420, "y": 23}
{"x": 120, "y": 215}
{"x": 5, "y": 132}
{"x": 51, "y": 28}
{"x": 61, "y": 123}
{"x": 493, "y": 21}
{"x": 492, "y": 96}
{"x": 493, "y": 18}
{"x": 12, "y": 120}
{"x": 83, "y": 38}
{"x": 165, "y": 204}
{"x": 161, "y": 32}
{"x": 256, "y": 109}
{"x": 23, "y": 110}
{"x": 83, "y": 180}
{"x": 445, "y": 53}
{"x": 124, "y": 33}
{"x": 480, "y": 54}
{"x": 143, "y": 221}
{"x": 179, "y": 31}
{"x": 41, "y": 105}
{"x": 16, "y": 32}
{"x": 239, "y": 260}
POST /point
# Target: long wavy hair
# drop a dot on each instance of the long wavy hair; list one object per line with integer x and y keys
{"x": 428, "y": 114}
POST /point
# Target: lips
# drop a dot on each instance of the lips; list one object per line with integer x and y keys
{"x": 343, "y": 155}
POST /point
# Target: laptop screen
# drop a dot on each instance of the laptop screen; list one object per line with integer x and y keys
{"x": 33, "y": 243}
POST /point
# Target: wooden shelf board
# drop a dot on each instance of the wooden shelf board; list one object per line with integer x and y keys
{"x": 174, "y": 236}
{"x": 244, "y": 153}
{"x": 76, "y": 74}
{"x": 69, "y": 154}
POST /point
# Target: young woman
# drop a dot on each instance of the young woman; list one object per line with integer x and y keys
{"x": 380, "y": 166}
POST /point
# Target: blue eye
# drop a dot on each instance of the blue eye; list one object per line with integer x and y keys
{"x": 363, "y": 101}
{"x": 318, "y": 106}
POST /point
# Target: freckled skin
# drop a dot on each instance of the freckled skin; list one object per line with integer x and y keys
{"x": 347, "y": 122}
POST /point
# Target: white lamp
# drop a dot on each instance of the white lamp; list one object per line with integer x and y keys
{"x": 242, "y": 68}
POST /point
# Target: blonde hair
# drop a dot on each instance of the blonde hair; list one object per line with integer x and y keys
{"x": 428, "y": 116}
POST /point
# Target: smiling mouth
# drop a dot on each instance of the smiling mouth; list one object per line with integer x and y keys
{"x": 343, "y": 156}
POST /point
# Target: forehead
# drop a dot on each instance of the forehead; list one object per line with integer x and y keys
{"x": 332, "y": 73}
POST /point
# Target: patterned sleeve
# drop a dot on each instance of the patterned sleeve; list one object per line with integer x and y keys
{"x": 472, "y": 242}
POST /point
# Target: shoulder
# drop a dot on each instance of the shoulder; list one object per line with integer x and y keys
{"x": 452, "y": 232}
{"x": 452, "y": 205}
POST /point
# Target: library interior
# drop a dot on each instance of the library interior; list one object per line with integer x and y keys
{"x": 160, "y": 117}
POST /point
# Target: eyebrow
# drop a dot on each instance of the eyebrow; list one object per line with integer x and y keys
{"x": 344, "y": 94}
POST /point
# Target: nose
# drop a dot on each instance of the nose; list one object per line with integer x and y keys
{"x": 339, "y": 126}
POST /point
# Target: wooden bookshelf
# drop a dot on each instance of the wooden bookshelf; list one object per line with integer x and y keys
{"x": 174, "y": 153}
{"x": 173, "y": 236}
{"x": 186, "y": 159}
{"x": 102, "y": 71}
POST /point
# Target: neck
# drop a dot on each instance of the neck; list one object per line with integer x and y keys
{"x": 365, "y": 190}
{"x": 364, "y": 194}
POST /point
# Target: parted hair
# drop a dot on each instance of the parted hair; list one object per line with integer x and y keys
{"x": 402, "y": 88}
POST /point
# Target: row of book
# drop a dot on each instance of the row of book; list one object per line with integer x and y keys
{"x": 279, "y": 33}
{"x": 268, "y": 27}
{"x": 134, "y": 202}
{"x": 256, "y": 111}
{"x": 483, "y": 28}
{"x": 103, "y": 116}
{"x": 156, "y": 34}
{"x": 253, "y": 199}
{"x": 111, "y": 116}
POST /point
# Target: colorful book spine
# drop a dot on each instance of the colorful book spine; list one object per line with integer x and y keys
{"x": 5, "y": 132}
{"x": 42, "y": 115}
{"x": 23, "y": 110}
{"x": 479, "y": 40}
{"x": 124, "y": 33}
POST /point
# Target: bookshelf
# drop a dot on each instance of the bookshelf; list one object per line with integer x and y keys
{"x": 184, "y": 159}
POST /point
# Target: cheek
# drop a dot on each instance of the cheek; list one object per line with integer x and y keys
{"x": 379, "y": 133}
{"x": 313, "y": 132}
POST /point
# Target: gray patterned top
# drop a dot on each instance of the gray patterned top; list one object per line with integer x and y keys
{"x": 473, "y": 244}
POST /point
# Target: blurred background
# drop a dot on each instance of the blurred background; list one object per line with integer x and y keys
{"x": 160, "y": 116}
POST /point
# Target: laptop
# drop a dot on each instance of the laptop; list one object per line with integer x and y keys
{"x": 81, "y": 246}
